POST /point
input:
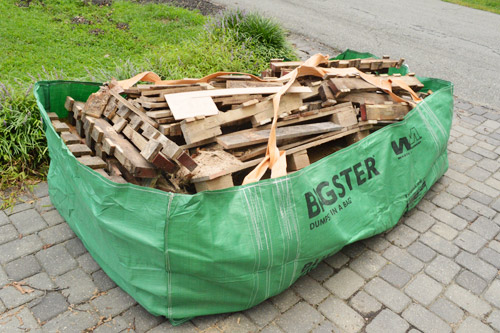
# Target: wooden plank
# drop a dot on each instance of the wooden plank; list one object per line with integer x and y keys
{"x": 79, "y": 149}
{"x": 365, "y": 98}
{"x": 133, "y": 109}
{"x": 297, "y": 161}
{"x": 97, "y": 134}
{"x": 59, "y": 126}
{"x": 170, "y": 129}
{"x": 342, "y": 85}
{"x": 95, "y": 104}
{"x": 79, "y": 128}
{"x": 237, "y": 99}
{"x": 161, "y": 161}
{"x": 68, "y": 104}
{"x": 153, "y": 105}
{"x": 387, "y": 111}
{"x": 323, "y": 112}
{"x": 108, "y": 146}
{"x": 250, "y": 84}
{"x": 200, "y": 130}
{"x": 135, "y": 122}
{"x": 152, "y": 149}
{"x": 70, "y": 138}
{"x": 248, "y": 138}
{"x": 128, "y": 156}
{"x": 345, "y": 118}
{"x": 198, "y": 103}
{"x": 358, "y": 136}
{"x": 111, "y": 108}
{"x": 78, "y": 109}
{"x": 93, "y": 162}
{"x": 138, "y": 140}
{"x": 288, "y": 103}
{"x": 53, "y": 116}
{"x": 187, "y": 161}
{"x": 174, "y": 89}
{"x": 159, "y": 114}
{"x": 149, "y": 132}
{"x": 220, "y": 183}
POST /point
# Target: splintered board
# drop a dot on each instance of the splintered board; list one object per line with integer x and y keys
{"x": 200, "y": 103}
{"x": 248, "y": 138}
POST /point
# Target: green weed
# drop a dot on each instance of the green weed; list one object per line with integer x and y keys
{"x": 263, "y": 35}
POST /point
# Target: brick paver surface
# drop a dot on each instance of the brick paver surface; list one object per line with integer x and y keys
{"x": 437, "y": 270}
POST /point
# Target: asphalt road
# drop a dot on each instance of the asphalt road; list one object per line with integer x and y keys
{"x": 437, "y": 39}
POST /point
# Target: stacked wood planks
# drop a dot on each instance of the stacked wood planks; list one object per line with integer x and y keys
{"x": 189, "y": 138}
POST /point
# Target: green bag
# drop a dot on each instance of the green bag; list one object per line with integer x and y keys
{"x": 182, "y": 256}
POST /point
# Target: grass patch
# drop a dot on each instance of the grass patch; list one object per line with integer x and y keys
{"x": 488, "y": 5}
{"x": 69, "y": 39}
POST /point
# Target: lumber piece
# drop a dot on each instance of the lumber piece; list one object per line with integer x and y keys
{"x": 358, "y": 136}
{"x": 152, "y": 105}
{"x": 365, "y": 98}
{"x": 264, "y": 111}
{"x": 128, "y": 156}
{"x": 133, "y": 108}
{"x": 97, "y": 134}
{"x": 59, "y": 126}
{"x": 116, "y": 179}
{"x": 250, "y": 84}
{"x": 237, "y": 99}
{"x": 307, "y": 116}
{"x": 78, "y": 110}
{"x": 79, "y": 149}
{"x": 162, "y": 162}
{"x": 248, "y": 138}
{"x": 368, "y": 64}
{"x": 79, "y": 128}
{"x": 326, "y": 94}
{"x": 298, "y": 160}
{"x": 197, "y": 131}
{"x": 111, "y": 108}
{"x": 95, "y": 104}
{"x": 200, "y": 130}
{"x": 137, "y": 139}
{"x": 159, "y": 114}
{"x": 200, "y": 103}
{"x": 345, "y": 118}
{"x": 70, "y": 138}
{"x": 119, "y": 124}
{"x": 386, "y": 111}
{"x": 108, "y": 146}
{"x": 68, "y": 104}
{"x": 220, "y": 183}
{"x": 343, "y": 85}
{"x": 152, "y": 149}
{"x": 93, "y": 162}
{"x": 160, "y": 90}
{"x": 53, "y": 116}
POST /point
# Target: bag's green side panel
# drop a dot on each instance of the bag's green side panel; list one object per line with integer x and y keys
{"x": 230, "y": 249}
{"x": 122, "y": 225}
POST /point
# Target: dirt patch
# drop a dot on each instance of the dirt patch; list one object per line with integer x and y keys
{"x": 80, "y": 20}
{"x": 205, "y": 7}
{"x": 122, "y": 26}
{"x": 96, "y": 32}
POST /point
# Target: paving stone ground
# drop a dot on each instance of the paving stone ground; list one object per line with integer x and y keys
{"x": 437, "y": 270}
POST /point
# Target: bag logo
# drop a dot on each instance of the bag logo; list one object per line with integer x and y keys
{"x": 406, "y": 143}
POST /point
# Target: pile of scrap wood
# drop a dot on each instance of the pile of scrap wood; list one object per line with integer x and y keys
{"x": 191, "y": 137}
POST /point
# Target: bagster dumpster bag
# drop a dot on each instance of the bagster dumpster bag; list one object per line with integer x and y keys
{"x": 182, "y": 256}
